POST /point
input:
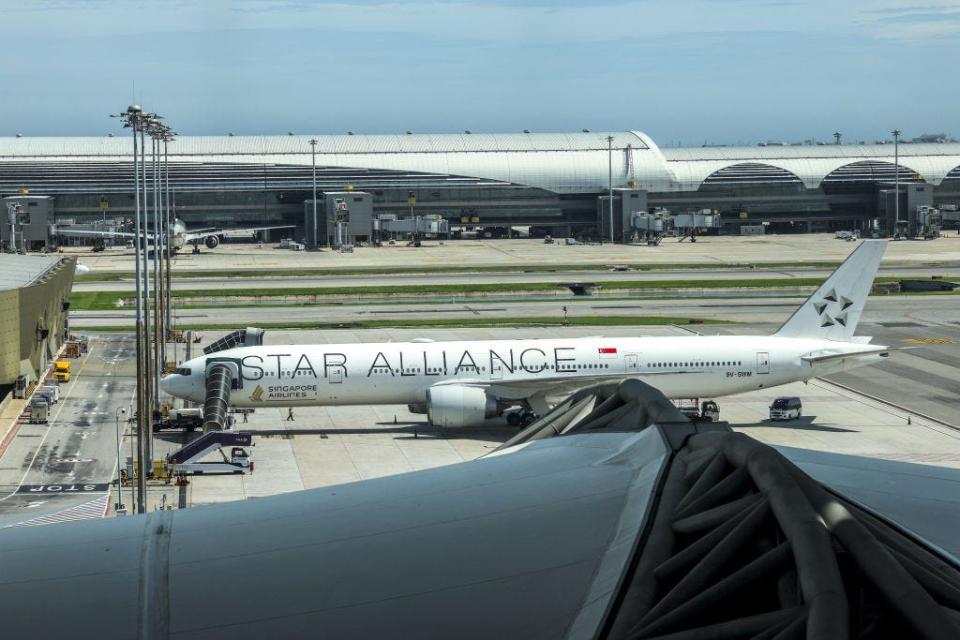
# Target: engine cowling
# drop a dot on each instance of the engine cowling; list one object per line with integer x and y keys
{"x": 454, "y": 405}
{"x": 212, "y": 242}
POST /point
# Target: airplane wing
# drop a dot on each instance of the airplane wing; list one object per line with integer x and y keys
{"x": 85, "y": 233}
{"x": 557, "y": 386}
{"x": 200, "y": 234}
{"x": 631, "y": 524}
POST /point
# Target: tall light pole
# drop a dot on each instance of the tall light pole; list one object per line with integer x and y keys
{"x": 896, "y": 165}
{"x": 157, "y": 291}
{"x": 119, "y": 504}
{"x": 609, "y": 184}
{"x": 146, "y": 436}
{"x": 133, "y": 119}
{"x": 168, "y": 228}
{"x": 313, "y": 161}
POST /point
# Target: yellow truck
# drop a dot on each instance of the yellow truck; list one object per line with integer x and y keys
{"x": 61, "y": 370}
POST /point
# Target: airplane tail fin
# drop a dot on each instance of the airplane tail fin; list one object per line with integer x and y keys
{"x": 833, "y": 311}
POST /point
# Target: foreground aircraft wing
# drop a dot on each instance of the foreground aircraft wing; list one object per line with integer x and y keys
{"x": 200, "y": 234}
{"x": 249, "y": 230}
{"x": 631, "y": 524}
{"x": 86, "y": 233}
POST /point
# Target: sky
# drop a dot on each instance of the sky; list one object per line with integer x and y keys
{"x": 687, "y": 72}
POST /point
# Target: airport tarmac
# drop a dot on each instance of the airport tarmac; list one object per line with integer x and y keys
{"x": 65, "y": 467}
{"x": 46, "y": 470}
{"x": 708, "y": 250}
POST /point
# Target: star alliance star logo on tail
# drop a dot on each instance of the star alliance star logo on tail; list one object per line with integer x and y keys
{"x": 838, "y": 304}
{"x": 257, "y": 395}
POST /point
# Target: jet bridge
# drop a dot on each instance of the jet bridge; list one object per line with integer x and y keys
{"x": 223, "y": 375}
{"x": 220, "y": 380}
{"x": 249, "y": 337}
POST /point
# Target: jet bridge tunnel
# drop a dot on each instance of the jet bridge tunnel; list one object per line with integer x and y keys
{"x": 223, "y": 375}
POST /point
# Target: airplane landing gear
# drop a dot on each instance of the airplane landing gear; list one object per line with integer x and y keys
{"x": 521, "y": 418}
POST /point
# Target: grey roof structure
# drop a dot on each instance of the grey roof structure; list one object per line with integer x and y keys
{"x": 563, "y": 163}
{"x": 18, "y": 271}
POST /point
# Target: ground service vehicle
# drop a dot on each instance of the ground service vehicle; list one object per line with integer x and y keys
{"x": 61, "y": 371}
{"x": 706, "y": 411}
{"x": 786, "y": 408}
{"x": 188, "y": 419}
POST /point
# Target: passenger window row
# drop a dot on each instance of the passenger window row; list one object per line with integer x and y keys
{"x": 725, "y": 363}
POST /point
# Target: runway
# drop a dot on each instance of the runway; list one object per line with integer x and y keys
{"x": 252, "y": 281}
{"x": 931, "y": 309}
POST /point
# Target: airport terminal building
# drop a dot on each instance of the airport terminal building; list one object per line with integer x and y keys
{"x": 34, "y": 303}
{"x": 555, "y": 183}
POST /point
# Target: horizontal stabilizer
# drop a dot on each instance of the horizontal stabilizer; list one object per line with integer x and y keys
{"x": 826, "y": 357}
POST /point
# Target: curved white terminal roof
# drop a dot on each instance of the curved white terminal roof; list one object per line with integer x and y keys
{"x": 557, "y": 162}
{"x": 811, "y": 164}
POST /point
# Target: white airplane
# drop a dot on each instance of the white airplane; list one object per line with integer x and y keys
{"x": 178, "y": 233}
{"x": 464, "y": 383}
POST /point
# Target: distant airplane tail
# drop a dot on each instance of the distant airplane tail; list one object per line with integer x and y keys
{"x": 833, "y": 311}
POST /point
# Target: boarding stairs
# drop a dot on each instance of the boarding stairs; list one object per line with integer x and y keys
{"x": 188, "y": 460}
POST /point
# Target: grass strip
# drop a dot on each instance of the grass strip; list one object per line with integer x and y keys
{"x": 104, "y": 300}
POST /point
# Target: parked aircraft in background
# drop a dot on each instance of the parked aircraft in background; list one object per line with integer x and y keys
{"x": 464, "y": 383}
{"x": 178, "y": 233}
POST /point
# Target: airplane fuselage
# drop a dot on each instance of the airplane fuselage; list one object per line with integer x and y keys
{"x": 401, "y": 373}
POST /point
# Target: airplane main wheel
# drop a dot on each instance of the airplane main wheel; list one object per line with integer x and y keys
{"x": 514, "y": 419}
{"x": 527, "y": 417}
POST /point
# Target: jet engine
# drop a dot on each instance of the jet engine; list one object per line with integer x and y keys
{"x": 457, "y": 405}
{"x": 212, "y": 242}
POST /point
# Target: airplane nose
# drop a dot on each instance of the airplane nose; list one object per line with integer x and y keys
{"x": 177, "y": 385}
{"x": 167, "y": 383}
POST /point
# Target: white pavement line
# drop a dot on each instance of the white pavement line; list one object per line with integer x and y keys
{"x": 51, "y": 423}
{"x": 123, "y": 438}
{"x": 90, "y": 510}
{"x": 930, "y": 421}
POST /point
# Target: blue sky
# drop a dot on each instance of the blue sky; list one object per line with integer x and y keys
{"x": 686, "y": 71}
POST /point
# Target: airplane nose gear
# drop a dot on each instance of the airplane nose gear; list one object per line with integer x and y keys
{"x": 521, "y": 417}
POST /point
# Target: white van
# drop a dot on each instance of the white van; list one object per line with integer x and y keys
{"x": 786, "y": 408}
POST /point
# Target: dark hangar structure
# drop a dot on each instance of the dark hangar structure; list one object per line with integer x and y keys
{"x": 556, "y": 183}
